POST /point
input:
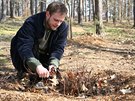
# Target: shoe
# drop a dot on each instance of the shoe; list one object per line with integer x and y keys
{"x": 34, "y": 79}
{"x": 21, "y": 75}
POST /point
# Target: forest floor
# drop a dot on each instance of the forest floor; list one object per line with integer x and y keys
{"x": 109, "y": 63}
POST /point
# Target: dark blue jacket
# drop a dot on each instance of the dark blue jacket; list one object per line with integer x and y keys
{"x": 25, "y": 43}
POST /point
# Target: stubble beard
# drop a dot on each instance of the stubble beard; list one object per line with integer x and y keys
{"x": 48, "y": 25}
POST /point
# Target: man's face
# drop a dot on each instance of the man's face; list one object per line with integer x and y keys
{"x": 54, "y": 21}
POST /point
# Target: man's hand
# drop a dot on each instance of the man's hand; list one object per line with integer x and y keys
{"x": 52, "y": 70}
{"x": 42, "y": 71}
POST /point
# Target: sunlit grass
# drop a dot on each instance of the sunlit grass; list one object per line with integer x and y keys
{"x": 10, "y": 26}
{"x": 7, "y": 29}
{"x": 121, "y": 31}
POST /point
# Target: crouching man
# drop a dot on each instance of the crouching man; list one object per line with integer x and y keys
{"x": 39, "y": 44}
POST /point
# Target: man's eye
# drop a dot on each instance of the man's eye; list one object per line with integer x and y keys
{"x": 58, "y": 20}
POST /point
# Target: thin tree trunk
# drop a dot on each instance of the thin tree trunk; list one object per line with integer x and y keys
{"x": 89, "y": 10}
{"x": 26, "y": 6}
{"x": 129, "y": 11}
{"x": 120, "y": 10}
{"x": 134, "y": 13}
{"x": 22, "y": 8}
{"x": 125, "y": 10}
{"x": 107, "y": 12}
{"x": 70, "y": 22}
{"x": 3, "y": 15}
{"x": 32, "y": 6}
{"x": 80, "y": 12}
{"x": 86, "y": 18}
{"x": 42, "y": 5}
{"x": 8, "y": 7}
{"x": 72, "y": 9}
{"x": 93, "y": 9}
{"x": 0, "y": 9}
{"x": 36, "y": 6}
{"x": 114, "y": 12}
{"x": 19, "y": 8}
{"x": 83, "y": 12}
{"x": 98, "y": 16}
{"x": 122, "y": 13}
{"x": 12, "y": 8}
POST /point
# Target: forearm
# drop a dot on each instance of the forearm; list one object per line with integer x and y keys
{"x": 33, "y": 63}
{"x": 54, "y": 61}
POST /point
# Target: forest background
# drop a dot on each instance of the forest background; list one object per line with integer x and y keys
{"x": 101, "y": 42}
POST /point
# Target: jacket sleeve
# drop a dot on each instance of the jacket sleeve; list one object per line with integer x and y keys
{"x": 58, "y": 49}
{"x": 26, "y": 36}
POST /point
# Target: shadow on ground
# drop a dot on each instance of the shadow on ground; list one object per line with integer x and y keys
{"x": 100, "y": 48}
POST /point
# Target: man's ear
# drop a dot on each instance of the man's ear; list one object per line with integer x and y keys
{"x": 47, "y": 14}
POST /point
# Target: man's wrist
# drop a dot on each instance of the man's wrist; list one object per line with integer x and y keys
{"x": 52, "y": 67}
{"x": 33, "y": 63}
{"x": 54, "y": 61}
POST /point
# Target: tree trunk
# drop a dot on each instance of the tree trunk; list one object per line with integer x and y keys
{"x": 98, "y": 16}
{"x": 129, "y": 11}
{"x": 83, "y": 10}
{"x": 125, "y": 10}
{"x": 18, "y": 8}
{"x": 43, "y": 5}
{"x": 89, "y": 10}
{"x": 8, "y": 7}
{"x": 74, "y": 10}
{"x": 36, "y": 6}
{"x": 12, "y": 8}
{"x": 26, "y": 8}
{"x": 93, "y": 9}
{"x": 0, "y": 9}
{"x": 114, "y": 12}
{"x": 80, "y": 12}
{"x": 3, "y": 14}
{"x": 134, "y": 13}
{"x": 70, "y": 22}
{"x": 32, "y": 7}
{"x": 86, "y": 18}
{"x": 107, "y": 11}
{"x": 120, "y": 10}
{"x": 22, "y": 8}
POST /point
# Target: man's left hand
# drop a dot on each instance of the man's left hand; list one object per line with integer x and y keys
{"x": 52, "y": 70}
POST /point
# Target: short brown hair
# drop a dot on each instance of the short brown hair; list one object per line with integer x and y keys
{"x": 57, "y": 7}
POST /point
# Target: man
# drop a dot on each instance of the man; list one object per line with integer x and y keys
{"x": 39, "y": 44}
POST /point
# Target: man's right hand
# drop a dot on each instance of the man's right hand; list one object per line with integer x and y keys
{"x": 42, "y": 71}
